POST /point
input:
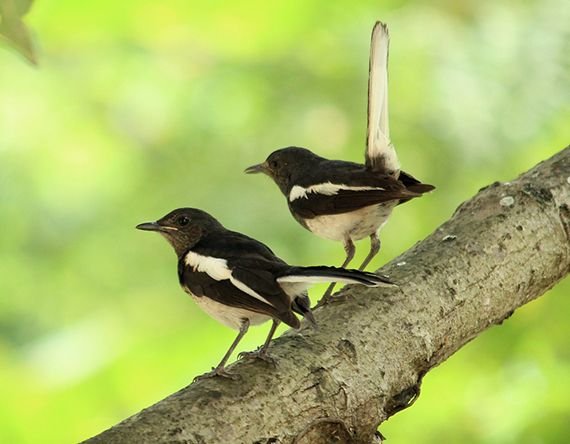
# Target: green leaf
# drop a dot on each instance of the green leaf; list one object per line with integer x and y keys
{"x": 13, "y": 31}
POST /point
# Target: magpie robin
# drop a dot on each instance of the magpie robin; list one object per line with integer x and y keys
{"x": 238, "y": 280}
{"x": 346, "y": 201}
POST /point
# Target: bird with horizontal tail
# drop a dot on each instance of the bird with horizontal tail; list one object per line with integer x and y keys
{"x": 347, "y": 201}
{"x": 238, "y": 280}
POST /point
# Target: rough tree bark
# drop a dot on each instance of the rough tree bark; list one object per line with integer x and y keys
{"x": 501, "y": 249}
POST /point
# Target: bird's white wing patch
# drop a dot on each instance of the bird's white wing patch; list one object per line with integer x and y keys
{"x": 243, "y": 287}
{"x": 214, "y": 267}
{"x": 218, "y": 269}
{"x": 326, "y": 189}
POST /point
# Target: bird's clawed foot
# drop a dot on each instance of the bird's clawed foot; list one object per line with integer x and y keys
{"x": 259, "y": 354}
{"x": 217, "y": 371}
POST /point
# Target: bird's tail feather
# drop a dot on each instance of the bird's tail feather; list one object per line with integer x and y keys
{"x": 289, "y": 318}
{"x": 380, "y": 153}
{"x": 421, "y": 188}
{"x": 334, "y": 274}
{"x": 414, "y": 185}
{"x": 302, "y": 305}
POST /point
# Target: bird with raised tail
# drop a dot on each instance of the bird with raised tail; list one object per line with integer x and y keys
{"x": 346, "y": 201}
{"x": 239, "y": 281}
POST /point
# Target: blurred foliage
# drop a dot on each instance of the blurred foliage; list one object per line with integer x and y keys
{"x": 143, "y": 106}
{"x": 13, "y": 30}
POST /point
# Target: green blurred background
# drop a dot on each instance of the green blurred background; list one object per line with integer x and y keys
{"x": 139, "y": 107}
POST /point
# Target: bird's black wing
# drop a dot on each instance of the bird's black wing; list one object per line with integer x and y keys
{"x": 225, "y": 292}
{"x": 334, "y": 187}
{"x": 344, "y": 202}
{"x": 236, "y": 270}
{"x": 226, "y": 244}
{"x": 340, "y": 172}
{"x": 340, "y": 187}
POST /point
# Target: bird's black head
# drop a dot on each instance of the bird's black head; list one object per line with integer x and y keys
{"x": 183, "y": 228}
{"x": 284, "y": 164}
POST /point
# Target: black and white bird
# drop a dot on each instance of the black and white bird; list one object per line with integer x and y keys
{"x": 238, "y": 280}
{"x": 346, "y": 201}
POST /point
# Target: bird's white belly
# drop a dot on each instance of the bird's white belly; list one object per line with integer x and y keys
{"x": 355, "y": 225}
{"x": 229, "y": 316}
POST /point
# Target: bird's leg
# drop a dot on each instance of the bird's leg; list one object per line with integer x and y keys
{"x": 220, "y": 369}
{"x": 374, "y": 249}
{"x": 261, "y": 353}
{"x": 349, "y": 249}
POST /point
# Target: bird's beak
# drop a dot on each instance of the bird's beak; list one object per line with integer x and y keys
{"x": 149, "y": 226}
{"x": 259, "y": 168}
{"x": 154, "y": 226}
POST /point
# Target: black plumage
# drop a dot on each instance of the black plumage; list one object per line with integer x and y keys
{"x": 347, "y": 201}
{"x": 238, "y": 280}
{"x": 337, "y": 200}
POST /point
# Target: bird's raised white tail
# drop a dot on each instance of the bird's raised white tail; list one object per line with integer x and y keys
{"x": 380, "y": 153}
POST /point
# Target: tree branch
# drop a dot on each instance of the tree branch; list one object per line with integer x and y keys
{"x": 501, "y": 249}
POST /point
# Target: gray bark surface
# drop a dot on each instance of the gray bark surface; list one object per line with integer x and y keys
{"x": 501, "y": 249}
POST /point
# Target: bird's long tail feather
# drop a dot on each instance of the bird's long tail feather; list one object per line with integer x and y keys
{"x": 380, "y": 153}
{"x": 334, "y": 274}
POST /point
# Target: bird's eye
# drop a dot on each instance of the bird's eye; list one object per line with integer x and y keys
{"x": 273, "y": 164}
{"x": 183, "y": 220}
